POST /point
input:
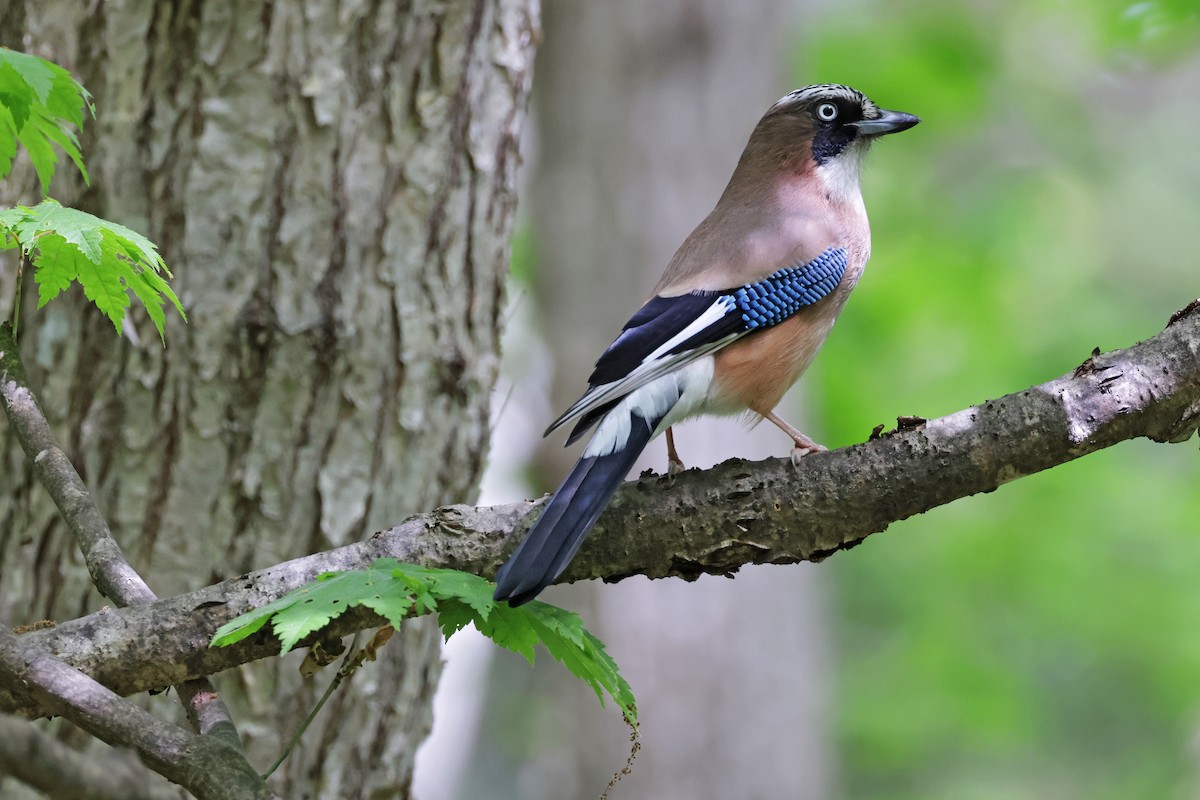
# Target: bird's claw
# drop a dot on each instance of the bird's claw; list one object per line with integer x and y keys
{"x": 802, "y": 450}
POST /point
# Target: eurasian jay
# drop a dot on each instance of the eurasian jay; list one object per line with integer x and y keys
{"x": 737, "y": 317}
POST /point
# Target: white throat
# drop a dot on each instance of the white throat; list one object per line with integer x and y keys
{"x": 839, "y": 175}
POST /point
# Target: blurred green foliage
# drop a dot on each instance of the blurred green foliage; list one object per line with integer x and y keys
{"x": 1042, "y": 640}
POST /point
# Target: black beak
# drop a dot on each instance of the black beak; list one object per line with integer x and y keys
{"x": 886, "y": 122}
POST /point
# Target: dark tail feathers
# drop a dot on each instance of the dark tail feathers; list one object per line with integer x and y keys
{"x": 567, "y": 518}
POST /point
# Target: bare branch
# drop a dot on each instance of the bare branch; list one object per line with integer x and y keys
{"x": 110, "y": 570}
{"x": 702, "y": 522}
{"x": 37, "y": 759}
{"x": 205, "y": 766}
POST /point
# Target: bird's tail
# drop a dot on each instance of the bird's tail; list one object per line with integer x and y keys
{"x": 567, "y": 518}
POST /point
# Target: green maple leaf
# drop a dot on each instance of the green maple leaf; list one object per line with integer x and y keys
{"x": 312, "y": 607}
{"x": 251, "y": 622}
{"x": 108, "y": 260}
{"x": 9, "y": 217}
{"x": 395, "y": 590}
{"x": 39, "y": 103}
{"x": 511, "y": 628}
{"x": 307, "y": 615}
{"x": 453, "y": 617}
{"x": 470, "y": 590}
{"x": 566, "y": 639}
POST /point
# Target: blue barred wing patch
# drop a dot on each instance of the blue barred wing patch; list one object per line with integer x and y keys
{"x": 781, "y": 294}
{"x": 760, "y": 305}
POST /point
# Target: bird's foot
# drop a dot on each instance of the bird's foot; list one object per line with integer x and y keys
{"x": 805, "y": 448}
{"x": 804, "y": 445}
{"x": 674, "y": 462}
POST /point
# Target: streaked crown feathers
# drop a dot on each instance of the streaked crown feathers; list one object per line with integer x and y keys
{"x": 808, "y": 95}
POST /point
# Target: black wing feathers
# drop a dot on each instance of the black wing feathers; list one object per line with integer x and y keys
{"x": 647, "y": 330}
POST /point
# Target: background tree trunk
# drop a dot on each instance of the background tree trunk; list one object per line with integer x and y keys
{"x": 334, "y": 186}
{"x": 641, "y": 112}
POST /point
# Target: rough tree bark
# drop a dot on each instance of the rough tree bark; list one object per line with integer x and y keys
{"x": 333, "y": 185}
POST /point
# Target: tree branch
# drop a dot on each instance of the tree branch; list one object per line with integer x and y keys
{"x": 205, "y": 766}
{"x": 110, "y": 570}
{"x": 702, "y": 522}
{"x": 37, "y": 759}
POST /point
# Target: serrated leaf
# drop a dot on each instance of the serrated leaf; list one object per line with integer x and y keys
{"x": 464, "y": 587}
{"x": 390, "y": 599}
{"x": 108, "y": 260}
{"x": 394, "y": 590}
{"x": 423, "y": 601}
{"x": 583, "y": 654}
{"x": 312, "y": 607}
{"x": 40, "y": 153}
{"x": 36, "y": 73}
{"x": 17, "y": 106}
{"x": 102, "y": 285}
{"x": 9, "y": 218}
{"x": 137, "y": 247}
{"x": 52, "y": 131}
{"x": 57, "y": 267}
{"x": 563, "y": 624}
{"x": 303, "y": 617}
{"x": 68, "y": 99}
{"x": 242, "y": 626}
{"x": 38, "y": 100}
{"x": 509, "y": 627}
{"x": 8, "y": 140}
{"x": 453, "y": 616}
{"x": 77, "y": 227}
{"x": 151, "y": 299}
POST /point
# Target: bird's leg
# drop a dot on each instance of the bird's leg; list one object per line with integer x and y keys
{"x": 804, "y": 445}
{"x": 674, "y": 462}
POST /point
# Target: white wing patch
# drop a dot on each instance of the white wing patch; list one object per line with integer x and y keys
{"x": 657, "y": 363}
{"x": 668, "y": 398}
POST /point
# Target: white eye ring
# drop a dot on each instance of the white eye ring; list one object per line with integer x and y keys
{"x": 827, "y": 112}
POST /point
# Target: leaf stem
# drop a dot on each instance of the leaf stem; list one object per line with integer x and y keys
{"x": 343, "y": 672}
{"x": 16, "y": 309}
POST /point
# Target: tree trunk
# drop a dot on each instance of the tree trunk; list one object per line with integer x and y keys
{"x": 333, "y": 186}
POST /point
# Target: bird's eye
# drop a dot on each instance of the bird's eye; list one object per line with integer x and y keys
{"x": 827, "y": 112}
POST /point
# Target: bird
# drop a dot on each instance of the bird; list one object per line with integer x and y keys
{"x": 735, "y": 320}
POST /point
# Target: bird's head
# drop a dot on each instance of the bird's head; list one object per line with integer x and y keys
{"x": 837, "y": 119}
{"x": 824, "y": 129}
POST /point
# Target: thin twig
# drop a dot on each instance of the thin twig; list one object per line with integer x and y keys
{"x": 110, "y": 570}
{"x": 343, "y": 672}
